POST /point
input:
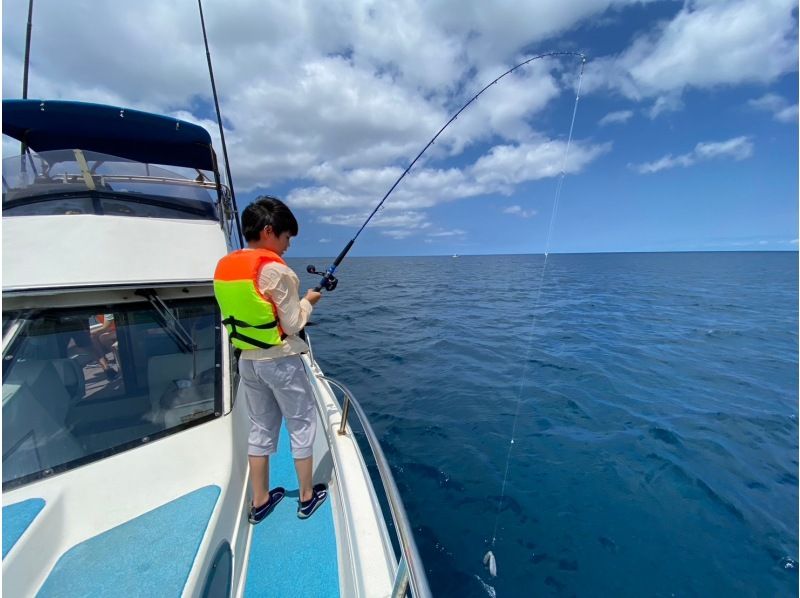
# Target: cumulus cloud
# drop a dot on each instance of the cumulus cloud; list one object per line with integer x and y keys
{"x": 666, "y": 103}
{"x": 779, "y": 106}
{"x": 335, "y": 101}
{"x": 497, "y": 171}
{"x": 332, "y": 102}
{"x": 401, "y": 233}
{"x": 456, "y": 232}
{"x": 738, "y": 148}
{"x": 407, "y": 219}
{"x": 708, "y": 43}
{"x": 507, "y": 165}
{"x": 518, "y": 211}
{"x": 619, "y": 117}
{"x": 346, "y": 84}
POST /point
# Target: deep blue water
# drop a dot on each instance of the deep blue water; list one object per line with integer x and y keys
{"x": 656, "y": 444}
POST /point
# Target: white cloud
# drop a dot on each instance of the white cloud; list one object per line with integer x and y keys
{"x": 497, "y": 171}
{"x": 334, "y": 101}
{"x": 787, "y": 115}
{"x": 664, "y": 163}
{"x": 518, "y": 211}
{"x": 619, "y": 117}
{"x": 345, "y": 84}
{"x": 779, "y": 107}
{"x": 667, "y": 103}
{"x": 738, "y": 148}
{"x": 406, "y": 219}
{"x": 708, "y": 43}
{"x": 398, "y": 233}
{"x": 456, "y": 232}
{"x": 507, "y": 165}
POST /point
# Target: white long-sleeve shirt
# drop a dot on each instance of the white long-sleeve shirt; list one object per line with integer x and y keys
{"x": 279, "y": 283}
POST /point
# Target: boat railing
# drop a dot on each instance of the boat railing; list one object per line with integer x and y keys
{"x": 130, "y": 178}
{"x": 102, "y": 179}
{"x": 410, "y": 571}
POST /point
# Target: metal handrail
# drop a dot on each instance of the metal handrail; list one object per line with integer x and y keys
{"x": 410, "y": 569}
{"x": 70, "y": 178}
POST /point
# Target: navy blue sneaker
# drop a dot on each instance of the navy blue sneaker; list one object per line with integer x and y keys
{"x": 306, "y": 508}
{"x": 257, "y": 515}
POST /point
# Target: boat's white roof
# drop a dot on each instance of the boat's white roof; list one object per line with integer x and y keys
{"x": 41, "y": 252}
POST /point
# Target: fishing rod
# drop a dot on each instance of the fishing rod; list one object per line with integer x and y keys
{"x": 27, "y": 59}
{"x": 25, "y": 67}
{"x": 221, "y": 130}
{"x": 329, "y": 281}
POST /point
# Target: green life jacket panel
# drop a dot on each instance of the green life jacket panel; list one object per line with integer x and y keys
{"x": 249, "y": 316}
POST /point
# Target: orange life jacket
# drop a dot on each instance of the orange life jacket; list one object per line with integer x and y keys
{"x": 242, "y": 303}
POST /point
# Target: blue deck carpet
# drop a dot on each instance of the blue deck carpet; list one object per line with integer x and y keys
{"x": 17, "y": 518}
{"x": 289, "y": 556}
{"x": 147, "y": 556}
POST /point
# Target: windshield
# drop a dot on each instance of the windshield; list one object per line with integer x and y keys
{"x": 76, "y": 182}
{"x": 81, "y": 384}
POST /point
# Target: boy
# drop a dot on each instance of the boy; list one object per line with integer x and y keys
{"x": 258, "y": 296}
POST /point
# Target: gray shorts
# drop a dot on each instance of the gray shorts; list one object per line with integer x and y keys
{"x": 274, "y": 388}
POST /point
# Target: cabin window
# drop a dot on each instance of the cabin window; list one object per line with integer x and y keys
{"x": 82, "y": 384}
{"x": 56, "y": 183}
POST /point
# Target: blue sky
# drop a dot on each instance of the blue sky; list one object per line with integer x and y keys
{"x": 686, "y": 136}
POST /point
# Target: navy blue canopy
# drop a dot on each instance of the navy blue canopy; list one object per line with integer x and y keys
{"x": 46, "y": 125}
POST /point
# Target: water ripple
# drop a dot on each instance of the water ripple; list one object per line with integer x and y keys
{"x": 655, "y": 395}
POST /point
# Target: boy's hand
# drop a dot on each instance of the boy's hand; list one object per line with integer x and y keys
{"x": 313, "y": 296}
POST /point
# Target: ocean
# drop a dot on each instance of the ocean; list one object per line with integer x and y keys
{"x": 652, "y": 400}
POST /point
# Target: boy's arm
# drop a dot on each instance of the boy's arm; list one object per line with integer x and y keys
{"x": 281, "y": 285}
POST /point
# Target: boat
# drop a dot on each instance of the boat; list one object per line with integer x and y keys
{"x": 124, "y": 447}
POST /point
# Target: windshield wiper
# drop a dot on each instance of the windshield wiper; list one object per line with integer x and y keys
{"x": 169, "y": 322}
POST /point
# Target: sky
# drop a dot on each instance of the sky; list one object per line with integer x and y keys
{"x": 685, "y": 136}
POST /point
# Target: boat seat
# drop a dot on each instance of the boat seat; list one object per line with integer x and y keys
{"x": 164, "y": 372}
{"x": 36, "y": 400}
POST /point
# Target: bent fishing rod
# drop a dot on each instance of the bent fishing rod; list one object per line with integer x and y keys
{"x": 329, "y": 281}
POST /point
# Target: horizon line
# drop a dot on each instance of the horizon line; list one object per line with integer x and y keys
{"x": 561, "y": 253}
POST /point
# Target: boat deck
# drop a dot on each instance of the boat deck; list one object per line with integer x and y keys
{"x": 291, "y": 556}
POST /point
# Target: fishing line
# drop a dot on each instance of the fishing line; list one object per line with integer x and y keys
{"x": 329, "y": 281}
{"x": 489, "y": 558}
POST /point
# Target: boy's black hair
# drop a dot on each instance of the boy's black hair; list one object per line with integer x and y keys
{"x": 267, "y": 211}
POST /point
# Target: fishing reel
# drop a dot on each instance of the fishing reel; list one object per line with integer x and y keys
{"x": 328, "y": 282}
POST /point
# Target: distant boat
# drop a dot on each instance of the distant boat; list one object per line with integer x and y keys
{"x": 455, "y": 255}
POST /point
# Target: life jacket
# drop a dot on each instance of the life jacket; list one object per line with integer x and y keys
{"x": 249, "y": 316}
